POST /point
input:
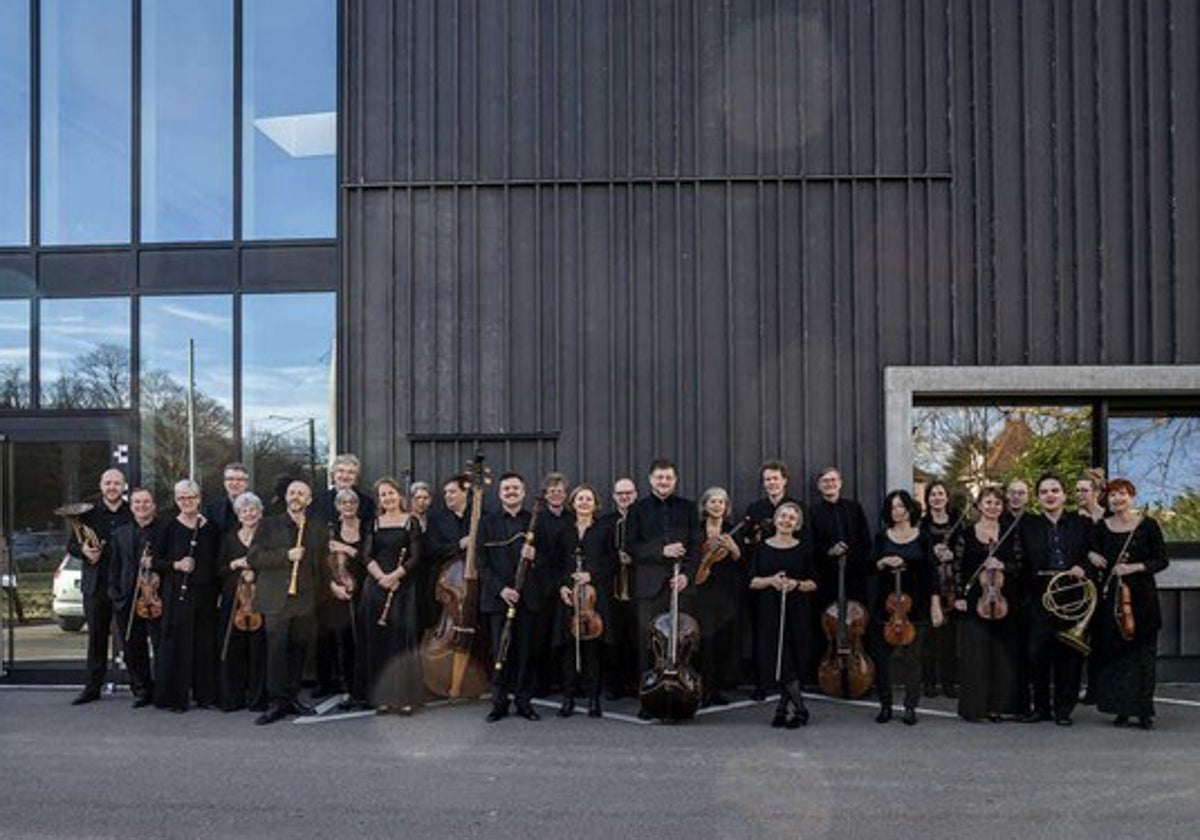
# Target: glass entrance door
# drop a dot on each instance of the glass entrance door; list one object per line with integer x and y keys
{"x": 45, "y": 636}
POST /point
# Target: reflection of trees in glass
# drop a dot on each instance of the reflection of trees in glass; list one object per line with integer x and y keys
{"x": 165, "y": 435}
{"x": 14, "y": 385}
{"x": 970, "y": 446}
{"x": 294, "y": 450}
{"x": 97, "y": 379}
{"x": 1161, "y": 455}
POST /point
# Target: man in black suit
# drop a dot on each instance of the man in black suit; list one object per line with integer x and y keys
{"x": 130, "y": 541}
{"x": 220, "y": 511}
{"x": 289, "y": 542}
{"x": 345, "y": 470}
{"x": 96, "y": 554}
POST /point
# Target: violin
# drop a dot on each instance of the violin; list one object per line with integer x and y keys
{"x": 715, "y": 553}
{"x": 991, "y": 606}
{"x": 1124, "y": 611}
{"x": 899, "y": 630}
{"x": 245, "y": 618}
{"x": 147, "y": 602}
{"x": 586, "y": 623}
{"x": 845, "y": 669}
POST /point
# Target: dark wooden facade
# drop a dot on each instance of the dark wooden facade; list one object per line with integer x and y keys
{"x": 596, "y": 231}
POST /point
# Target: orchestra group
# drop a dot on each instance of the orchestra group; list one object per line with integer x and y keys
{"x": 673, "y": 602}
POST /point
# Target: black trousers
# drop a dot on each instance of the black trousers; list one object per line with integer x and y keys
{"x": 335, "y": 645}
{"x": 898, "y": 665}
{"x": 517, "y": 676}
{"x": 98, "y": 612}
{"x": 287, "y": 644}
{"x": 1047, "y": 655}
{"x": 621, "y": 652}
{"x": 244, "y": 671}
{"x": 135, "y": 643}
{"x": 586, "y": 680}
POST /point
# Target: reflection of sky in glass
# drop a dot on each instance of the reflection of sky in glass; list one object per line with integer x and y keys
{"x": 14, "y": 122}
{"x": 85, "y": 121}
{"x": 187, "y": 121}
{"x": 14, "y": 353}
{"x": 290, "y": 52}
{"x": 1160, "y": 455}
{"x": 72, "y": 328}
{"x": 287, "y": 354}
{"x": 166, "y": 325}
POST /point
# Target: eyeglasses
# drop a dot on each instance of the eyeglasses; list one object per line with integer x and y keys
{"x": 188, "y": 498}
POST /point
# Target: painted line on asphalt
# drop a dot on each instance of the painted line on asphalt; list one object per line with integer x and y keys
{"x": 1195, "y": 704}
{"x": 313, "y": 719}
{"x": 617, "y": 716}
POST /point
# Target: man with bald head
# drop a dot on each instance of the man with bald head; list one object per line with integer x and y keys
{"x": 110, "y": 512}
{"x": 287, "y": 547}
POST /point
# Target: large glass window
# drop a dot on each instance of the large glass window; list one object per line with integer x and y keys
{"x": 187, "y": 121}
{"x": 14, "y": 354}
{"x": 289, "y": 113}
{"x": 85, "y": 122}
{"x": 84, "y": 353}
{"x": 1160, "y": 454}
{"x": 287, "y": 386}
{"x": 168, "y": 325}
{"x": 14, "y": 122}
{"x": 970, "y": 446}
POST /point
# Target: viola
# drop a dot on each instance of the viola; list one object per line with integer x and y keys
{"x": 899, "y": 630}
{"x": 992, "y": 605}
{"x": 149, "y": 603}
{"x": 845, "y": 669}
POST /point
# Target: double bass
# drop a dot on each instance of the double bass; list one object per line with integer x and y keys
{"x": 453, "y": 651}
{"x": 671, "y": 689}
{"x": 845, "y": 670}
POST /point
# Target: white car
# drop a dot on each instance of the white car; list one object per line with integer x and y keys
{"x": 68, "y": 594}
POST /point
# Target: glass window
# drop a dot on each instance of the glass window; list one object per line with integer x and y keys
{"x": 85, "y": 122}
{"x": 167, "y": 325}
{"x": 84, "y": 354}
{"x": 1160, "y": 454}
{"x": 970, "y": 446}
{"x": 187, "y": 121}
{"x": 287, "y": 386}
{"x": 289, "y": 114}
{"x": 14, "y": 354}
{"x": 14, "y": 122}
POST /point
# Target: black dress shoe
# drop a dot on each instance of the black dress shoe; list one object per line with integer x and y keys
{"x": 885, "y": 714}
{"x": 1035, "y": 717}
{"x": 594, "y": 710}
{"x": 1121, "y": 720}
{"x": 257, "y": 707}
{"x": 758, "y": 695}
{"x": 141, "y": 701}
{"x": 88, "y": 695}
{"x": 644, "y": 715}
{"x": 1146, "y": 722}
{"x": 526, "y": 711}
{"x": 779, "y": 720}
{"x": 567, "y": 708}
{"x": 323, "y": 691}
{"x": 271, "y": 715}
{"x": 1063, "y": 720}
{"x": 301, "y": 709}
{"x": 718, "y": 699}
{"x": 910, "y": 717}
{"x": 497, "y": 713}
{"x": 799, "y": 718}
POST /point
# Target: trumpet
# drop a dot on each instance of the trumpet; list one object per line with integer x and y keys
{"x": 621, "y": 590}
{"x": 293, "y": 589}
{"x": 1076, "y": 607}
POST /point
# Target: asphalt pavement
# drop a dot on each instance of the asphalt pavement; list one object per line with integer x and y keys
{"x": 107, "y": 770}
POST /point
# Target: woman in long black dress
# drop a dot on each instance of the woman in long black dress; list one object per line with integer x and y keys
{"x": 782, "y": 571}
{"x": 338, "y": 598}
{"x": 717, "y": 600}
{"x": 595, "y": 547}
{"x": 989, "y": 648}
{"x": 939, "y": 656}
{"x": 902, "y": 549}
{"x": 392, "y": 668}
{"x": 1131, "y": 550}
{"x": 243, "y": 652}
{"x": 185, "y": 558}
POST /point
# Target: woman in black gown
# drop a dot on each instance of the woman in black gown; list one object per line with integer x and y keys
{"x": 244, "y": 653}
{"x": 391, "y": 660}
{"x": 1131, "y": 550}
{"x": 901, "y": 548}
{"x": 782, "y": 571}
{"x": 939, "y": 656}
{"x": 989, "y": 648}
{"x": 717, "y": 600}
{"x": 338, "y": 597}
{"x": 185, "y": 558}
{"x": 595, "y": 547}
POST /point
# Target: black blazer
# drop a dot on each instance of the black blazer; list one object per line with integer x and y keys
{"x": 268, "y": 558}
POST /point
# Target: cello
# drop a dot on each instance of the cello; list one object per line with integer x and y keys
{"x": 453, "y": 652}
{"x": 671, "y": 689}
{"x": 845, "y": 671}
